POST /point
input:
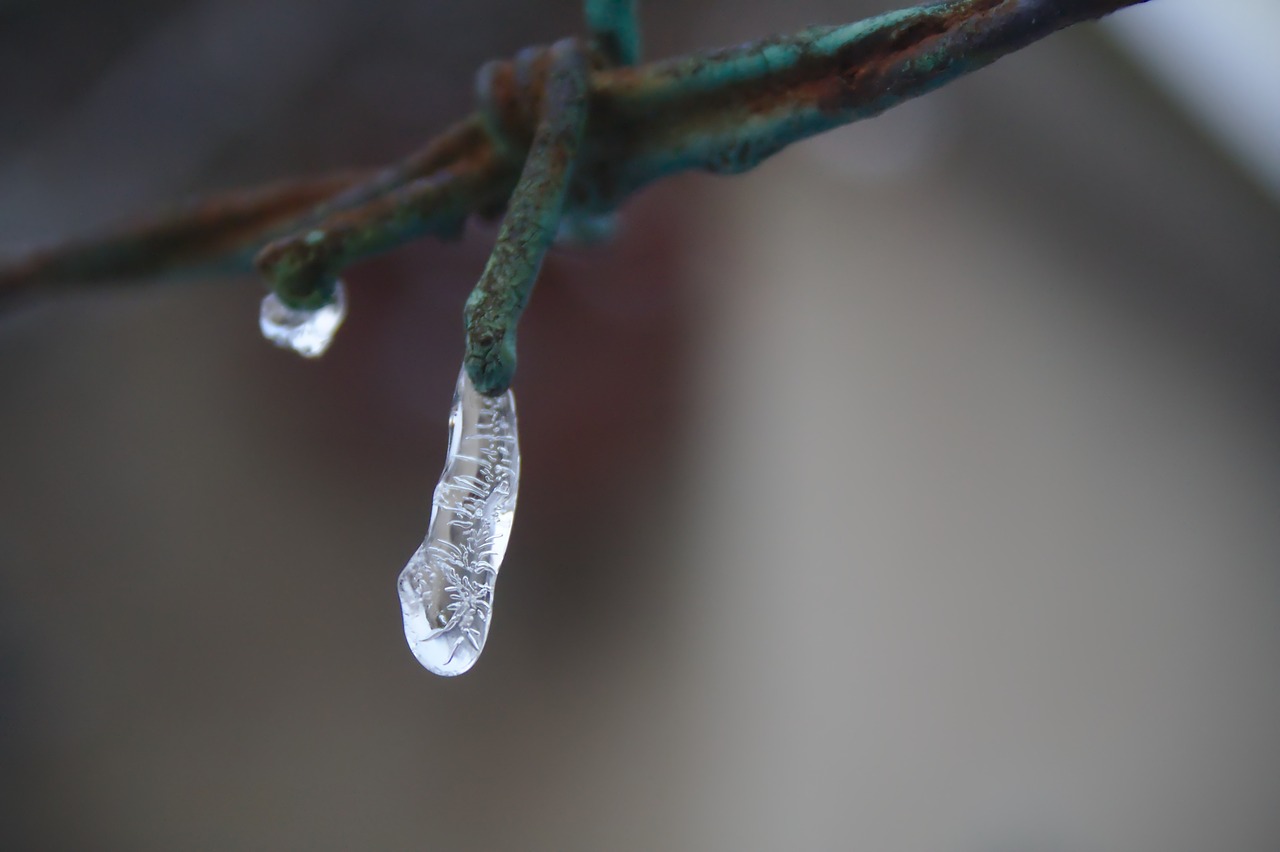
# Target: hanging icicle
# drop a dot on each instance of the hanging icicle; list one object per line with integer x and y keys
{"x": 446, "y": 590}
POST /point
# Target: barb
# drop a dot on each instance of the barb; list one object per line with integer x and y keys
{"x": 494, "y": 307}
{"x": 722, "y": 111}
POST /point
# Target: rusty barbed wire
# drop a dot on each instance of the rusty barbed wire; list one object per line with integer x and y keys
{"x": 566, "y": 132}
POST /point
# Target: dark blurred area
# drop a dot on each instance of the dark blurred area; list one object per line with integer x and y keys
{"x": 919, "y": 490}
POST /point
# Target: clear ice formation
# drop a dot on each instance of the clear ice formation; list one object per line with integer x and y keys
{"x": 308, "y": 333}
{"x": 446, "y": 590}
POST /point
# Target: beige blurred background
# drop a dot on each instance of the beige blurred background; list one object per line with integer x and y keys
{"x": 918, "y": 491}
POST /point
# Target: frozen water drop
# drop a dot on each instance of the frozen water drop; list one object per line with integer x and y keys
{"x": 307, "y": 332}
{"x": 446, "y": 590}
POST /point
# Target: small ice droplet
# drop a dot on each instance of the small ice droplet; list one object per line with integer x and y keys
{"x": 308, "y": 333}
{"x": 446, "y": 590}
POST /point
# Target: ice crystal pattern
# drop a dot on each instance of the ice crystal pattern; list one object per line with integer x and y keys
{"x": 308, "y": 333}
{"x": 446, "y": 590}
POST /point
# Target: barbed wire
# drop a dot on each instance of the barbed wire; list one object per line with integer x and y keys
{"x": 562, "y": 134}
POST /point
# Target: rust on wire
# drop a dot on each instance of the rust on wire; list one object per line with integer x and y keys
{"x": 211, "y": 232}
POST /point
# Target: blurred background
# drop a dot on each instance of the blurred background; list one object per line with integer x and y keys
{"x": 919, "y": 490}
